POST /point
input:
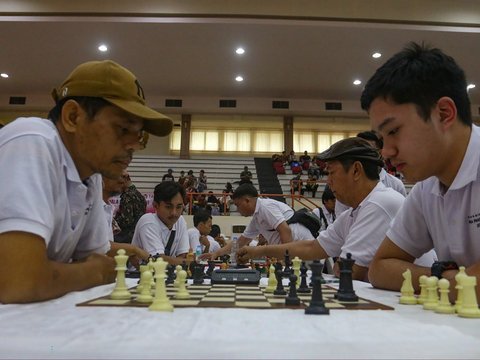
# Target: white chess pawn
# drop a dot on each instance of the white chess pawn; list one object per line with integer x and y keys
{"x": 407, "y": 290}
{"x": 444, "y": 306}
{"x": 423, "y": 289}
{"x": 469, "y": 306}
{"x": 160, "y": 302}
{"x": 297, "y": 262}
{"x": 272, "y": 280}
{"x": 432, "y": 296}
{"x": 182, "y": 292}
{"x": 145, "y": 295}
{"x": 178, "y": 268}
{"x": 143, "y": 268}
{"x": 120, "y": 292}
{"x": 458, "y": 278}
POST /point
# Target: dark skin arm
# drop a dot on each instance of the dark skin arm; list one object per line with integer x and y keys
{"x": 33, "y": 277}
{"x": 134, "y": 253}
{"x": 304, "y": 249}
{"x": 178, "y": 260}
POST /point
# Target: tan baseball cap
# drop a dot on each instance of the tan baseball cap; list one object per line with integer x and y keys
{"x": 114, "y": 83}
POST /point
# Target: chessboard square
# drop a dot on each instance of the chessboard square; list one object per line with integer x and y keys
{"x": 334, "y": 305}
{"x": 218, "y": 299}
{"x": 217, "y": 286}
{"x": 305, "y": 297}
{"x": 218, "y": 294}
{"x": 197, "y": 291}
{"x": 249, "y": 292}
{"x": 253, "y": 304}
{"x": 276, "y": 300}
{"x": 329, "y": 291}
{"x": 186, "y": 302}
{"x": 243, "y": 287}
{"x": 221, "y": 290}
{"x": 250, "y": 297}
{"x": 109, "y": 302}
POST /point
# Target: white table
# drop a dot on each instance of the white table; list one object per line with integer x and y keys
{"x": 59, "y": 329}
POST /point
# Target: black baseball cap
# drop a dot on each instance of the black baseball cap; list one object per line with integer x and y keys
{"x": 352, "y": 148}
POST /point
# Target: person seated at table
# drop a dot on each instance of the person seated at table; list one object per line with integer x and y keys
{"x": 168, "y": 176}
{"x": 418, "y": 103}
{"x": 164, "y": 232}
{"x": 200, "y": 233}
{"x": 352, "y": 166}
{"x": 217, "y": 235}
{"x": 53, "y": 232}
{"x": 326, "y": 211}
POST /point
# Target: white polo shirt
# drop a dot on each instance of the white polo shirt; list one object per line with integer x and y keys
{"x": 268, "y": 215}
{"x": 360, "y": 231}
{"x": 41, "y": 192}
{"x": 392, "y": 181}
{"x": 447, "y": 221}
{"x": 152, "y": 235}
{"x": 194, "y": 240}
{"x": 328, "y": 216}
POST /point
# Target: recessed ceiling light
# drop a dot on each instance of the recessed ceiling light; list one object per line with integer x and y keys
{"x": 240, "y": 51}
{"x": 3, "y": 75}
{"x": 239, "y": 78}
{"x": 376, "y": 55}
{"x": 469, "y": 87}
{"x": 103, "y": 48}
{"x": 357, "y": 82}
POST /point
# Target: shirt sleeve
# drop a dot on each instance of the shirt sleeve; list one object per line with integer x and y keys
{"x": 149, "y": 239}
{"x": 182, "y": 237}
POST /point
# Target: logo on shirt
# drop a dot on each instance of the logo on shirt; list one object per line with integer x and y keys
{"x": 474, "y": 219}
{"x": 87, "y": 210}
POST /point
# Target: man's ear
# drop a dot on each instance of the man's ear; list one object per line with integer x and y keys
{"x": 357, "y": 169}
{"x": 70, "y": 113}
{"x": 447, "y": 111}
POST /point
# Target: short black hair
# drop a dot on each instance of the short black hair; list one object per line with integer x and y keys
{"x": 165, "y": 191}
{"x": 215, "y": 231}
{"x": 245, "y": 190}
{"x": 370, "y": 168}
{"x": 371, "y": 136}
{"x": 201, "y": 216}
{"x": 327, "y": 195}
{"x": 91, "y": 105}
{"x": 420, "y": 75}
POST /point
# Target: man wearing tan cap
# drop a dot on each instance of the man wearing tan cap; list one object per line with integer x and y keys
{"x": 53, "y": 233}
{"x": 352, "y": 166}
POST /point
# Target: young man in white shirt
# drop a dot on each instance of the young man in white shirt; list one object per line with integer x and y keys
{"x": 199, "y": 234}
{"x": 418, "y": 103}
{"x": 53, "y": 233}
{"x": 165, "y": 231}
{"x": 352, "y": 166}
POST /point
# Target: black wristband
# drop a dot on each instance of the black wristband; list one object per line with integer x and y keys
{"x": 438, "y": 267}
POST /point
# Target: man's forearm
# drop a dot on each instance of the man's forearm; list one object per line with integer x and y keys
{"x": 387, "y": 273}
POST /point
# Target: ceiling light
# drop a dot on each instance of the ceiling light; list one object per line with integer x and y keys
{"x": 3, "y": 75}
{"x": 469, "y": 87}
{"x": 357, "y": 82}
{"x": 240, "y": 51}
{"x": 103, "y": 48}
{"x": 376, "y": 55}
{"x": 239, "y": 78}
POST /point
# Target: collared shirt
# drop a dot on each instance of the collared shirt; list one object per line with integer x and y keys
{"x": 330, "y": 216}
{"x": 393, "y": 182}
{"x": 360, "y": 231}
{"x": 194, "y": 240}
{"x": 41, "y": 192}
{"x": 152, "y": 235}
{"x": 448, "y": 221}
{"x": 268, "y": 215}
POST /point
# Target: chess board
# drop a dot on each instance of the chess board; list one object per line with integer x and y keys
{"x": 239, "y": 296}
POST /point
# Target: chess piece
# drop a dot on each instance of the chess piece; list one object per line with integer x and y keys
{"x": 145, "y": 295}
{"x": 444, "y": 306}
{"x": 198, "y": 273}
{"x": 211, "y": 267}
{"x": 432, "y": 297}
{"x": 178, "y": 268}
{"x": 469, "y": 306}
{"x": 407, "y": 292}
{"x": 423, "y": 289}
{"x": 182, "y": 292}
{"x": 317, "y": 305}
{"x": 345, "y": 288}
{"x": 120, "y": 292}
{"x": 296, "y": 268}
{"x": 170, "y": 274}
{"x": 160, "y": 302}
{"x": 287, "y": 270}
{"x": 272, "y": 280}
{"x": 461, "y": 273}
{"x": 143, "y": 268}
{"x": 303, "y": 288}
{"x": 279, "y": 290}
{"x": 292, "y": 299}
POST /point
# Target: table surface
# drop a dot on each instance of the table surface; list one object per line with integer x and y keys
{"x": 59, "y": 329}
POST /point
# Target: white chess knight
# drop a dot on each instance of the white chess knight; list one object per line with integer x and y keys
{"x": 120, "y": 292}
{"x": 407, "y": 290}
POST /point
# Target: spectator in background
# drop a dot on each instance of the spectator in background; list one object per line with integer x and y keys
{"x": 216, "y": 233}
{"x": 225, "y": 201}
{"x": 296, "y": 184}
{"x": 199, "y": 234}
{"x": 228, "y": 188}
{"x": 111, "y": 187}
{"x": 326, "y": 211}
{"x": 182, "y": 178}
{"x": 305, "y": 160}
{"x": 168, "y": 176}
{"x": 311, "y": 185}
{"x": 245, "y": 176}
{"x": 202, "y": 182}
{"x": 132, "y": 206}
{"x": 191, "y": 181}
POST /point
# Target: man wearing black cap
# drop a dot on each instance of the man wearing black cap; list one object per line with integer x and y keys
{"x": 53, "y": 233}
{"x": 352, "y": 166}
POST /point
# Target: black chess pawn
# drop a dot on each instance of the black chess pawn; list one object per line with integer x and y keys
{"x": 317, "y": 305}
{"x": 303, "y": 288}
{"x": 280, "y": 289}
{"x": 211, "y": 267}
{"x": 345, "y": 288}
{"x": 287, "y": 270}
{"x": 292, "y": 299}
{"x": 170, "y": 274}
